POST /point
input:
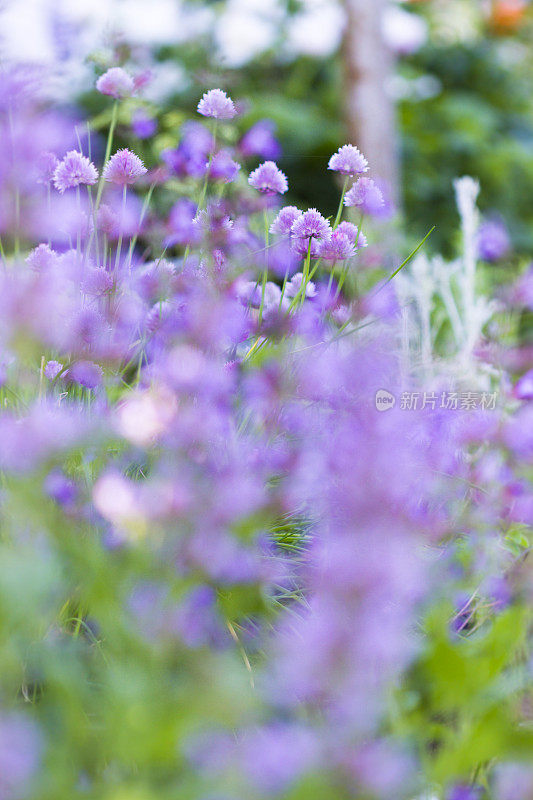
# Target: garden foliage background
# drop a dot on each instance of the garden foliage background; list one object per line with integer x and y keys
{"x": 266, "y": 427}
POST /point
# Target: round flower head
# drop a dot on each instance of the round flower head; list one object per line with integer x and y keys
{"x": 295, "y": 284}
{"x": 124, "y": 168}
{"x": 349, "y": 230}
{"x": 52, "y": 369}
{"x": 493, "y": 242}
{"x": 216, "y": 104}
{"x": 268, "y": 179}
{"x": 223, "y": 168}
{"x": 46, "y": 167}
{"x": 366, "y": 196}
{"x": 285, "y": 220}
{"x": 337, "y": 248}
{"x": 311, "y": 224}
{"x": 74, "y": 170}
{"x": 348, "y": 160}
{"x": 115, "y": 82}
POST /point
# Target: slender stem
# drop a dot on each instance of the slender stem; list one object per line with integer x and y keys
{"x": 109, "y": 144}
{"x": 121, "y": 230}
{"x": 101, "y": 180}
{"x": 265, "y": 270}
{"x": 145, "y": 205}
{"x": 78, "y": 230}
{"x": 49, "y": 209}
{"x": 341, "y": 204}
{"x": 344, "y": 271}
{"x": 300, "y": 295}
{"x": 206, "y": 179}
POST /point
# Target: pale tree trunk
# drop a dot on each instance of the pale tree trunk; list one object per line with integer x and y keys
{"x": 369, "y": 108}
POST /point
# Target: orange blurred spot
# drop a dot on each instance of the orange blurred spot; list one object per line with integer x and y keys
{"x": 508, "y": 15}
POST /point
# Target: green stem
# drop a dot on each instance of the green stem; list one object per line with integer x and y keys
{"x": 122, "y": 217}
{"x": 206, "y": 179}
{"x": 133, "y": 241}
{"x": 341, "y": 204}
{"x": 265, "y": 270}
{"x": 109, "y": 144}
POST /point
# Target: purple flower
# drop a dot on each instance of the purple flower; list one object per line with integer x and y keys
{"x": 86, "y": 373}
{"x": 295, "y": 284}
{"x": 524, "y": 387}
{"x": 60, "y": 488}
{"x": 42, "y": 257}
{"x": 514, "y": 781}
{"x": 52, "y": 370}
{"x": 268, "y": 179}
{"x": 115, "y": 82}
{"x": 493, "y": 240}
{"x": 20, "y": 755}
{"x": 349, "y": 230}
{"x": 196, "y": 619}
{"x": 124, "y": 168}
{"x": 223, "y": 168}
{"x": 285, "y": 220}
{"x": 464, "y": 791}
{"x": 366, "y": 196}
{"x": 276, "y": 755}
{"x": 75, "y": 169}
{"x": 143, "y": 125}
{"x": 46, "y": 167}
{"x": 260, "y": 141}
{"x": 337, "y": 248}
{"x": 348, "y": 160}
{"x": 311, "y": 228}
{"x": 216, "y": 104}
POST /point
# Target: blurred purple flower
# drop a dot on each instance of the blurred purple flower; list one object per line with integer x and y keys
{"x": 181, "y": 226}
{"x": 337, "y": 248}
{"x": 493, "y": 240}
{"x": 366, "y": 196}
{"x": 278, "y": 754}
{"x": 143, "y": 125}
{"x": 115, "y": 82}
{"x": 223, "y": 168}
{"x": 513, "y": 781}
{"x": 52, "y": 370}
{"x": 85, "y": 373}
{"x": 60, "y": 488}
{"x": 524, "y": 387}
{"x": 20, "y": 755}
{"x": 260, "y": 141}
{"x": 46, "y": 167}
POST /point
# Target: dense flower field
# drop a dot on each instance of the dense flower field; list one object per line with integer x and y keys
{"x": 265, "y": 514}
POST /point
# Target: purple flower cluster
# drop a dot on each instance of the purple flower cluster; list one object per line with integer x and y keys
{"x": 251, "y": 575}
